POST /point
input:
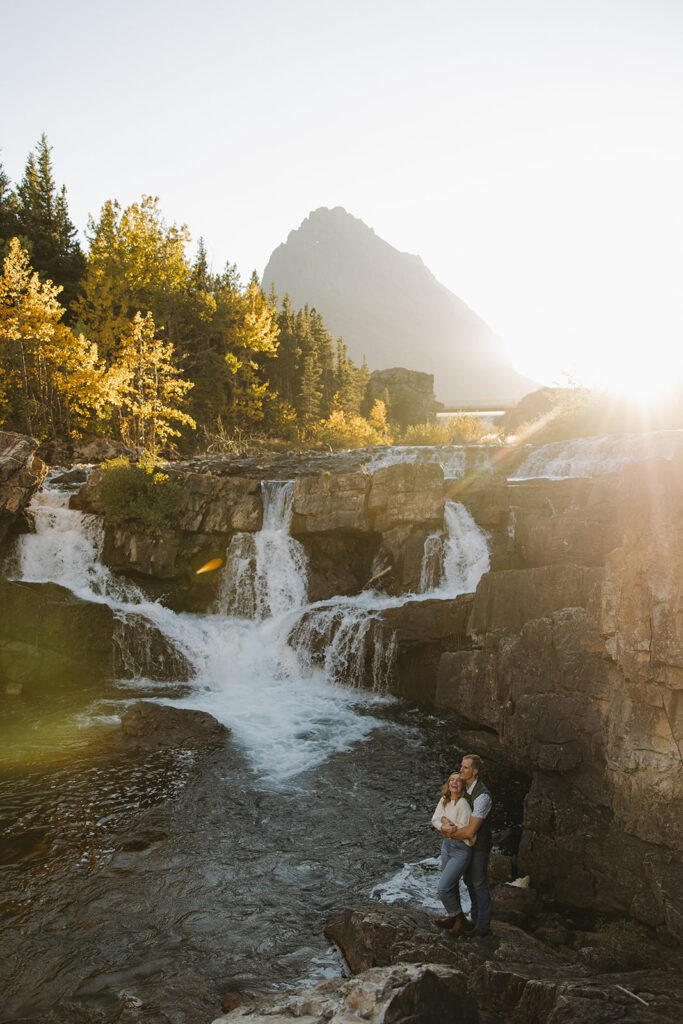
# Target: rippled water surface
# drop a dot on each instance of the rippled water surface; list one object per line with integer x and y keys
{"x": 171, "y": 877}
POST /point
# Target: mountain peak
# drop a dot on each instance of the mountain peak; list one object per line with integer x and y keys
{"x": 389, "y": 307}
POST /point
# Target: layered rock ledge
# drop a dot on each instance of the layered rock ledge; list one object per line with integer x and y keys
{"x": 406, "y": 971}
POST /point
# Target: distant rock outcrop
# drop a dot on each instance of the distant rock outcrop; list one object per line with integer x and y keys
{"x": 410, "y": 394}
{"x": 389, "y": 307}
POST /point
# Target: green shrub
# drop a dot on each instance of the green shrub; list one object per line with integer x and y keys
{"x": 138, "y": 492}
{"x": 457, "y": 429}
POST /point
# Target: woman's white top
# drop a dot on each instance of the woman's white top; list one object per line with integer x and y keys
{"x": 458, "y": 813}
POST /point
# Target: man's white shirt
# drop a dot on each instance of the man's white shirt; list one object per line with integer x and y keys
{"x": 482, "y": 803}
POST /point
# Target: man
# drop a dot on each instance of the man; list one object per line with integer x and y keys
{"x": 476, "y": 875}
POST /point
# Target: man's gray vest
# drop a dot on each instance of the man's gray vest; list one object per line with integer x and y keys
{"x": 484, "y": 839}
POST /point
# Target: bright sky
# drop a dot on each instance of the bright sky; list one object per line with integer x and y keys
{"x": 529, "y": 151}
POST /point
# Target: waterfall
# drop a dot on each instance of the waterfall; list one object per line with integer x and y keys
{"x": 454, "y": 561}
{"x": 241, "y": 671}
{"x": 265, "y": 573}
{"x": 591, "y": 456}
{"x": 270, "y": 667}
{"x": 346, "y": 638}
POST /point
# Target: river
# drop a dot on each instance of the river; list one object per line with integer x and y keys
{"x": 159, "y": 880}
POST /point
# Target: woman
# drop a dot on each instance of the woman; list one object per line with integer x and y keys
{"x": 453, "y": 809}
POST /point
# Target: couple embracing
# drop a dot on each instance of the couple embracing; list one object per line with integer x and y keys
{"x": 461, "y": 818}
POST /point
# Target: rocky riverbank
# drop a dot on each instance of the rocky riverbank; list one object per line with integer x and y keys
{"x": 405, "y": 971}
{"x": 564, "y": 661}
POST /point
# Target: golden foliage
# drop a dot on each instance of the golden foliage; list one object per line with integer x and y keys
{"x": 152, "y": 388}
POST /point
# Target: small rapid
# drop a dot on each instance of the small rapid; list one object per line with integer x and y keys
{"x": 593, "y": 456}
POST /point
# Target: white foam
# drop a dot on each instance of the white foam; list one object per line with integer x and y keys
{"x": 593, "y": 456}
{"x": 416, "y": 884}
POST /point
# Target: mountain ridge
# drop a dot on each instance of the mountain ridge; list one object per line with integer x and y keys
{"x": 388, "y": 306}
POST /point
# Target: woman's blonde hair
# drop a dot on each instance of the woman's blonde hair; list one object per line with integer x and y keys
{"x": 446, "y": 792}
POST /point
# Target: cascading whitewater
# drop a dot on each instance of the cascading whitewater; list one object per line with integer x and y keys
{"x": 454, "y": 561}
{"x": 592, "y": 456}
{"x": 268, "y": 668}
{"x": 451, "y": 457}
{"x": 347, "y": 636}
{"x": 242, "y": 672}
{"x": 265, "y": 573}
{"x": 346, "y": 639}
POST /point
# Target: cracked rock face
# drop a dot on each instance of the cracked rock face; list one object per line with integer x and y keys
{"x": 574, "y": 667}
{"x": 21, "y": 474}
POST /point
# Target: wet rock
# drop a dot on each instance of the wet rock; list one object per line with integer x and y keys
{"x": 142, "y": 550}
{"x": 511, "y": 975}
{"x": 405, "y": 494}
{"x": 155, "y": 725}
{"x": 76, "y": 475}
{"x": 514, "y": 904}
{"x": 51, "y": 639}
{"x": 329, "y": 502}
{"x": 21, "y": 474}
{"x": 421, "y": 631}
{"x": 338, "y": 563}
{"x": 142, "y": 651}
{"x": 391, "y": 650}
{"x": 401, "y": 994}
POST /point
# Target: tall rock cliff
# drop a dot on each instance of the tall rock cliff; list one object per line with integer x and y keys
{"x": 389, "y": 308}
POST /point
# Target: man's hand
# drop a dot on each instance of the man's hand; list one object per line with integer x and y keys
{"x": 448, "y": 829}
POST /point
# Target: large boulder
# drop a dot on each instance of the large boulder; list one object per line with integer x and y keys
{"x": 159, "y": 725}
{"x": 51, "y": 639}
{"x": 21, "y": 474}
{"x": 401, "y": 994}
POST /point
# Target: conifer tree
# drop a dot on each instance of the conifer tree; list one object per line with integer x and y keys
{"x": 324, "y": 352}
{"x": 45, "y": 226}
{"x": 253, "y": 337}
{"x": 9, "y": 216}
{"x": 346, "y": 393}
{"x": 283, "y": 371}
{"x": 309, "y": 393}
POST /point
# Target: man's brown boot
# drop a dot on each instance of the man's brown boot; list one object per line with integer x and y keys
{"x": 459, "y": 925}
{"x": 445, "y": 922}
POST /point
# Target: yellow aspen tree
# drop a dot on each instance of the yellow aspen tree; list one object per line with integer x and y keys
{"x": 153, "y": 389}
{"x": 29, "y": 314}
{"x": 135, "y": 262}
